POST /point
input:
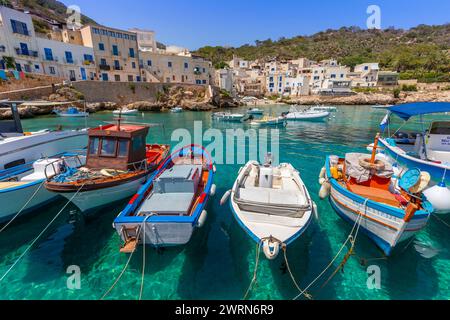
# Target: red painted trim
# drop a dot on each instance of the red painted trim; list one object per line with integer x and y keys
{"x": 202, "y": 198}
{"x": 133, "y": 199}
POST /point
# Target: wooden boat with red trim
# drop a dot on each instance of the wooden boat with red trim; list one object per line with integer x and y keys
{"x": 118, "y": 163}
{"x": 167, "y": 210}
{"x": 368, "y": 193}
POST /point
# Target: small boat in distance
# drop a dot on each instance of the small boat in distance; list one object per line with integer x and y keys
{"x": 125, "y": 112}
{"x": 268, "y": 121}
{"x": 70, "y": 112}
{"x": 176, "y": 110}
{"x": 323, "y": 108}
{"x": 118, "y": 163}
{"x": 367, "y": 192}
{"x": 230, "y": 117}
{"x": 255, "y": 112}
{"x": 272, "y": 204}
{"x": 296, "y": 114}
{"x": 18, "y": 148}
{"x": 171, "y": 205}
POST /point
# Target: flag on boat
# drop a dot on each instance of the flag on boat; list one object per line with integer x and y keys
{"x": 385, "y": 122}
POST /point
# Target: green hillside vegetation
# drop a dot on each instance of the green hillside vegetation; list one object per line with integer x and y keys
{"x": 421, "y": 52}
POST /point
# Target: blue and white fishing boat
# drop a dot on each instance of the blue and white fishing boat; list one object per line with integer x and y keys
{"x": 71, "y": 112}
{"x": 22, "y": 190}
{"x": 364, "y": 191}
{"x": 171, "y": 205}
{"x": 429, "y": 151}
{"x": 272, "y": 204}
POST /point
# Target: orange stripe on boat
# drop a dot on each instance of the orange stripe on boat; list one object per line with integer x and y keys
{"x": 364, "y": 215}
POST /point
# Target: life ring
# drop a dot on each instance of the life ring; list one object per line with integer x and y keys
{"x": 366, "y": 164}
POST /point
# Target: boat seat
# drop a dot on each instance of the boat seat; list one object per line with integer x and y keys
{"x": 272, "y": 196}
{"x": 167, "y": 204}
{"x": 375, "y": 194}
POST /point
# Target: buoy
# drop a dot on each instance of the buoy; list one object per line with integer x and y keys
{"x": 439, "y": 197}
{"x": 212, "y": 193}
{"x": 325, "y": 190}
{"x": 202, "y": 220}
{"x": 323, "y": 173}
{"x": 214, "y": 169}
{"x": 271, "y": 249}
{"x": 316, "y": 211}
{"x": 225, "y": 197}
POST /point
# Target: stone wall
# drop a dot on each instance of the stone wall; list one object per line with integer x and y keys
{"x": 37, "y": 93}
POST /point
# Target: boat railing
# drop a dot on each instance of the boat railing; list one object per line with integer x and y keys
{"x": 64, "y": 162}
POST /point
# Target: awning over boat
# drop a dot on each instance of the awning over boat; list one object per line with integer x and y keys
{"x": 408, "y": 110}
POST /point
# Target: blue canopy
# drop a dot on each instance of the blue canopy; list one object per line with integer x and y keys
{"x": 408, "y": 110}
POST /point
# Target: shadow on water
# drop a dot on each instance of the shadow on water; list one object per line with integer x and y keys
{"x": 78, "y": 241}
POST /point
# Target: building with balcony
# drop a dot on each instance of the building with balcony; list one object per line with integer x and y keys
{"x": 175, "y": 68}
{"x": 18, "y": 45}
{"x": 116, "y": 53}
{"x": 68, "y": 61}
{"x": 365, "y": 75}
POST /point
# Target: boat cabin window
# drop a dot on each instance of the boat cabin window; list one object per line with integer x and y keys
{"x": 123, "y": 148}
{"x": 93, "y": 146}
{"x": 138, "y": 143}
{"x": 440, "y": 127}
{"x": 108, "y": 147}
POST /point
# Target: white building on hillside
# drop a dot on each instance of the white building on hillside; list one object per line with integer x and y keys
{"x": 365, "y": 75}
{"x": 18, "y": 41}
{"x": 65, "y": 60}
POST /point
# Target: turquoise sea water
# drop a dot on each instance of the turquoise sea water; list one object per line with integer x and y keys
{"x": 218, "y": 263}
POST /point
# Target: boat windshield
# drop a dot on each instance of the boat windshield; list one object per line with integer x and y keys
{"x": 440, "y": 128}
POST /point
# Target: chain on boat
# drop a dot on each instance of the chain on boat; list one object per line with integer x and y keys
{"x": 40, "y": 235}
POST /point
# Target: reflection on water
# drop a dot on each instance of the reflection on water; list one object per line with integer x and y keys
{"x": 219, "y": 261}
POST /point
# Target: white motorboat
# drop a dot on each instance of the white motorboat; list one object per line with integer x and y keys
{"x": 19, "y": 148}
{"x": 125, "y": 112}
{"x": 296, "y": 114}
{"x": 428, "y": 151}
{"x": 71, "y": 112}
{"x": 176, "y": 110}
{"x": 230, "y": 117}
{"x": 268, "y": 121}
{"x": 272, "y": 204}
{"x": 22, "y": 190}
{"x": 323, "y": 108}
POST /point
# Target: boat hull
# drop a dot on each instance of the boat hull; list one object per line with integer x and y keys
{"x": 299, "y": 116}
{"x": 88, "y": 201}
{"x": 383, "y": 224}
{"x": 43, "y": 144}
{"x": 13, "y": 200}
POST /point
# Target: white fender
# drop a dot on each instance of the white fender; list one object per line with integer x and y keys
{"x": 214, "y": 169}
{"x": 271, "y": 249}
{"x": 212, "y": 192}
{"x": 202, "y": 220}
{"x": 323, "y": 173}
{"x": 322, "y": 181}
{"x": 225, "y": 197}
{"x": 325, "y": 190}
{"x": 439, "y": 197}
{"x": 316, "y": 211}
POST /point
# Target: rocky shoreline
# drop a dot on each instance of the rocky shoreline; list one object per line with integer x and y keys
{"x": 200, "y": 100}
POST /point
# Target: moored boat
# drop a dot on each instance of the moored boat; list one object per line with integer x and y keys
{"x": 296, "y": 114}
{"x": 125, "y": 111}
{"x": 176, "y": 110}
{"x": 22, "y": 191}
{"x": 268, "y": 121}
{"x": 71, "y": 112}
{"x": 171, "y": 205}
{"x": 118, "y": 163}
{"x": 272, "y": 204}
{"x": 429, "y": 150}
{"x": 365, "y": 191}
{"x": 255, "y": 111}
{"x": 18, "y": 148}
{"x": 230, "y": 117}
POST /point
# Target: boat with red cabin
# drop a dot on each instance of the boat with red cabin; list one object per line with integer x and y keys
{"x": 118, "y": 163}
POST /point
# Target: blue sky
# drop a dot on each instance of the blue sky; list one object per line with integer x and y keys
{"x": 196, "y": 23}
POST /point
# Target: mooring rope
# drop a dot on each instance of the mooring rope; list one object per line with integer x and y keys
{"x": 255, "y": 272}
{"x": 23, "y": 208}
{"x": 439, "y": 219}
{"x": 349, "y": 238}
{"x": 143, "y": 258}
{"x": 307, "y": 295}
{"x": 40, "y": 234}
